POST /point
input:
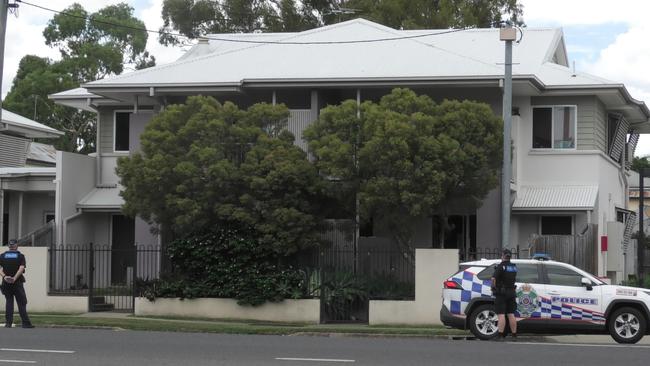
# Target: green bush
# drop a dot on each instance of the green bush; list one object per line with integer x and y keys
{"x": 227, "y": 264}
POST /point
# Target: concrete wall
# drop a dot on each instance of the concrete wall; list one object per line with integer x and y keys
{"x": 432, "y": 267}
{"x": 488, "y": 221}
{"x": 36, "y": 287}
{"x": 302, "y": 311}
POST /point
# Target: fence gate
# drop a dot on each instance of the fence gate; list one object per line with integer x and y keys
{"x": 107, "y": 275}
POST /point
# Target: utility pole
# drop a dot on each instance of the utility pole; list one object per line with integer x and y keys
{"x": 507, "y": 34}
{"x": 4, "y": 8}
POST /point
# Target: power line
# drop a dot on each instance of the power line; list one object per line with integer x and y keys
{"x": 245, "y": 40}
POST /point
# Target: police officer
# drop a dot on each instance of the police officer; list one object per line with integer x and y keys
{"x": 503, "y": 289}
{"x": 13, "y": 268}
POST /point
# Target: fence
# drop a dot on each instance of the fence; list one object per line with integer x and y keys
{"x": 474, "y": 254}
{"x": 108, "y": 276}
{"x": 578, "y": 250}
{"x": 41, "y": 237}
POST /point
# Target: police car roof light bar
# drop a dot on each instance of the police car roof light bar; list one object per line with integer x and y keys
{"x": 542, "y": 257}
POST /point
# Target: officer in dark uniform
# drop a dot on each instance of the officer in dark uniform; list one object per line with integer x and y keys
{"x": 503, "y": 289}
{"x": 13, "y": 268}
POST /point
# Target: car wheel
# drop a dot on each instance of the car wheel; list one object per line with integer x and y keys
{"x": 483, "y": 322}
{"x": 627, "y": 325}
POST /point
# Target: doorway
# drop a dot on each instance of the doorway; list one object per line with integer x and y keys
{"x": 122, "y": 249}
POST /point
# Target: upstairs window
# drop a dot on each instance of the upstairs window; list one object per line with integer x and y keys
{"x": 554, "y": 127}
{"x": 122, "y": 131}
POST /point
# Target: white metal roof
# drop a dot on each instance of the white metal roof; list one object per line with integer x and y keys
{"x": 26, "y": 127}
{"x": 26, "y": 171}
{"x": 472, "y": 53}
{"x": 102, "y": 198}
{"x": 580, "y": 197}
{"x": 41, "y": 152}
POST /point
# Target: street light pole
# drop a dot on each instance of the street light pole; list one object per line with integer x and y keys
{"x": 507, "y": 34}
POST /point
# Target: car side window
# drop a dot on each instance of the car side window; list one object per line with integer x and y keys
{"x": 562, "y": 276}
{"x": 487, "y": 273}
{"x": 527, "y": 273}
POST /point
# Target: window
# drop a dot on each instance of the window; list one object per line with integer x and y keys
{"x": 554, "y": 127}
{"x": 557, "y": 225}
{"x": 122, "y": 131}
{"x": 561, "y": 276}
{"x": 527, "y": 273}
{"x": 49, "y": 216}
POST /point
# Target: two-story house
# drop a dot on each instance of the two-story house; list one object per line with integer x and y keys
{"x": 571, "y": 131}
{"x": 27, "y": 173}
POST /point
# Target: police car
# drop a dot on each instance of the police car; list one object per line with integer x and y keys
{"x": 552, "y": 297}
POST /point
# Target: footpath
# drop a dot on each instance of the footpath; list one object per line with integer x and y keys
{"x": 126, "y": 321}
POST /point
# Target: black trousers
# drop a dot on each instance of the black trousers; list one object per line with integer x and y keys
{"x": 17, "y": 291}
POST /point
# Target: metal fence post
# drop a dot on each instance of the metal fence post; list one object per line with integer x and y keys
{"x": 91, "y": 277}
{"x": 135, "y": 277}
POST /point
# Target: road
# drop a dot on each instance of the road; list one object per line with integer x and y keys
{"x": 76, "y": 347}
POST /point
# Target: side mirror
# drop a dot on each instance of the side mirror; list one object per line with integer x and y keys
{"x": 587, "y": 283}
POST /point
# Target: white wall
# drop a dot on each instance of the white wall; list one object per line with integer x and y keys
{"x": 432, "y": 267}
{"x": 75, "y": 178}
{"x": 299, "y": 311}
{"x": 36, "y": 287}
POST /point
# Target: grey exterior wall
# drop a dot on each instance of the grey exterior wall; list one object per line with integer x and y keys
{"x": 143, "y": 235}
{"x": 76, "y": 175}
{"x": 488, "y": 221}
{"x": 136, "y": 126}
{"x": 13, "y": 151}
{"x": 592, "y": 119}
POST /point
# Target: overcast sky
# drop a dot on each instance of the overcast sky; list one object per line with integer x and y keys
{"x": 605, "y": 38}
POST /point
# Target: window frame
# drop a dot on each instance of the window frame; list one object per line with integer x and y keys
{"x": 115, "y": 112}
{"x": 573, "y": 221}
{"x": 552, "y": 107}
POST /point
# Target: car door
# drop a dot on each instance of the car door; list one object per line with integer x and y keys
{"x": 529, "y": 285}
{"x": 566, "y": 301}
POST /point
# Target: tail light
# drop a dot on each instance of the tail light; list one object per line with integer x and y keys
{"x": 453, "y": 285}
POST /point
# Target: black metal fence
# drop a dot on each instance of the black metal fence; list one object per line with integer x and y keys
{"x": 108, "y": 276}
{"x": 346, "y": 280}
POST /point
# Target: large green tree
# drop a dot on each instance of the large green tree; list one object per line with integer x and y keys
{"x": 407, "y": 157}
{"x": 204, "y": 164}
{"x": 193, "y": 18}
{"x": 91, "y": 48}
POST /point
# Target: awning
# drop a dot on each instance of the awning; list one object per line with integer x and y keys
{"x": 556, "y": 198}
{"x": 106, "y": 198}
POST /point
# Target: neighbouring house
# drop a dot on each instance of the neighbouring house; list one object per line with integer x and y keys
{"x": 572, "y": 132}
{"x": 27, "y": 174}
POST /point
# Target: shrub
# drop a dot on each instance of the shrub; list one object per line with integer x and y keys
{"x": 227, "y": 263}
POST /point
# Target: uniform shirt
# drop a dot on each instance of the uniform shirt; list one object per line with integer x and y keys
{"x": 10, "y": 261}
{"x": 505, "y": 274}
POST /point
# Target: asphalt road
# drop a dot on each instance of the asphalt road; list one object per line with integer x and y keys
{"x": 73, "y": 347}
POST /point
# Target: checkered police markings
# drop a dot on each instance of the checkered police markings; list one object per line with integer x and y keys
{"x": 472, "y": 287}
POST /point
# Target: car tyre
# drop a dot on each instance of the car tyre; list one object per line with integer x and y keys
{"x": 483, "y": 322}
{"x": 627, "y": 325}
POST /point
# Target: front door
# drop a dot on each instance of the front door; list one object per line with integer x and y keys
{"x": 122, "y": 249}
{"x": 567, "y": 302}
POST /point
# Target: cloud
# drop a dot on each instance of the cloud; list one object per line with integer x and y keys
{"x": 151, "y": 17}
{"x": 585, "y": 11}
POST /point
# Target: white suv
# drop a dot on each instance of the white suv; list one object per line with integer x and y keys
{"x": 552, "y": 297}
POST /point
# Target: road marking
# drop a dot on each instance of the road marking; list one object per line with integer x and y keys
{"x": 17, "y": 361}
{"x": 578, "y": 345}
{"x": 313, "y": 359}
{"x": 35, "y": 350}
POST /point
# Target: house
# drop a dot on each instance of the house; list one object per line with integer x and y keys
{"x": 27, "y": 173}
{"x": 570, "y": 129}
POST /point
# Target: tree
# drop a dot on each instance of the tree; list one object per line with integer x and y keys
{"x": 194, "y": 18}
{"x": 204, "y": 164}
{"x": 406, "y": 157}
{"x": 639, "y": 163}
{"x": 90, "y": 50}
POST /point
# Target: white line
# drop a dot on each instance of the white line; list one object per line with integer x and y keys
{"x": 17, "y": 361}
{"x": 34, "y": 350}
{"x": 312, "y": 359}
{"x": 578, "y": 345}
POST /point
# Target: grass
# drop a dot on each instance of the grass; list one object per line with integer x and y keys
{"x": 231, "y": 326}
